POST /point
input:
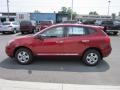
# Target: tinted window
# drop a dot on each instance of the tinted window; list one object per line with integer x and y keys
{"x": 45, "y": 22}
{"x": 107, "y": 22}
{"x": 90, "y": 31}
{"x": 54, "y": 32}
{"x": 25, "y": 23}
{"x": 75, "y": 31}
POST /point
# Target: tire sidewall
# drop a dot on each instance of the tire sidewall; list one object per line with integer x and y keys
{"x": 88, "y": 52}
{"x": 28, "y": 52}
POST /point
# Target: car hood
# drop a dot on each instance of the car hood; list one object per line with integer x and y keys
{"x": 24, "y": 37}
{"x": 23, "y": 40}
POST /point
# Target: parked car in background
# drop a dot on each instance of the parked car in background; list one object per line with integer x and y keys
{"x": 27, "y": 27}
{"x": 72, "y": 22}
{"x": 89, "y": 22}
{"x": 44, "y": 24}
{"x": 90, "y": 43}
{"x": 12, "y": 27}
{"x": 109, "y": 26}
{"x": 0, "y": 25}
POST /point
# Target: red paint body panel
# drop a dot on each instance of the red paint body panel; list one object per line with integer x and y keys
{"x": 75, "y": 45}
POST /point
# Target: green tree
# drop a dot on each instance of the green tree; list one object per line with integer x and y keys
{"x": 93, "y": 13}
{"x": 65, "y": 10}
{"x": 36, "y": 11}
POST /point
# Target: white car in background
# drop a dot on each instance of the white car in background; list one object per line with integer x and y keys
{"x": 12, "y": 27}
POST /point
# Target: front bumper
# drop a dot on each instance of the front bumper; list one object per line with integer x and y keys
{"x": 9, "y": 51}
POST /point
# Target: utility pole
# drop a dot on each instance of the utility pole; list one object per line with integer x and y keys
{"x": 8, "y": 9}
{"x": 72, "y": 11}
{"x": 108, "y": 7}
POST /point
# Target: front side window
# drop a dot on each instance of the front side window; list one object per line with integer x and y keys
{"x": 75, "y": 31}
{"x": 53, "y": 33}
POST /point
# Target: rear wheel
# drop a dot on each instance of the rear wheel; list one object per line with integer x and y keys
{"x": 22, "y": 32}
{"x": 23, "y": 56}
{"x": 3, "y": 32}
{"x": 14, "y": 32}
{"x": 91, "y": 57}
{"x": 115, "y": 33}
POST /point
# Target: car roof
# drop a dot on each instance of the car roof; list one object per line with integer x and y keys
{"x": 82, "y": 25}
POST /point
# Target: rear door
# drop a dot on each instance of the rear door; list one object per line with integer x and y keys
{"x": 53, "y": 42}
{"x": 76, "y": 40}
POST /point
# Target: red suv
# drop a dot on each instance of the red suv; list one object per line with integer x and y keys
{"x": 91, "y": 43}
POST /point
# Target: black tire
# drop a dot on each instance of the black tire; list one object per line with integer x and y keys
{"x": 33, "y": 31}
{"x": 22, "y": 32}
{"x": 3, "y": 33}
{"x": 115, "y": 33}
{"x": 23, "y": 56}
{"x": 91, "y": 60}
{"x": 14, "y": 32}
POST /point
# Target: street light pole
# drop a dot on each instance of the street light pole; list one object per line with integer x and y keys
{"x": 72, "y": 11}
{"x": 109, "y": 7}
{"x": 8, "y": 9}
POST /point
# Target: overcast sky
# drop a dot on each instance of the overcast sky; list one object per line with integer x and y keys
{"x": 80, "y": 6}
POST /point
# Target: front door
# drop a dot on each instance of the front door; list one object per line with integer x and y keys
{"x": 53, "y": 42}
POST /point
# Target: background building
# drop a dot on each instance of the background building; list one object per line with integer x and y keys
{"x": 4, "y": 17}
{"x": 93, "y": 17}
{"x": 22, "y": 16}
{"x": 43, "y": 17}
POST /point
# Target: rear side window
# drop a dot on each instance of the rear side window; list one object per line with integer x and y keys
{"x": 107, "y": 23}
{"x": 25, "y": 23}
{"x": 75, "y": 31}
{"x": 90, "y": 30}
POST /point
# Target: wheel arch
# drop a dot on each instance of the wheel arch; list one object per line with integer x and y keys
{"x": 21, "y": 47}
{"x": 93, "y": 48}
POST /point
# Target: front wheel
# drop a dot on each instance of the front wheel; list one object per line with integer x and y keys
{"x": 14, "y": 32}
{"x": 23, "y": 56}
{"x": 91, "y": 57}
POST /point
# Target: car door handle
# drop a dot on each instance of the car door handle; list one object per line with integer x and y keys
{"x": 59, "y": 41}
{"x": 85, "y": 41}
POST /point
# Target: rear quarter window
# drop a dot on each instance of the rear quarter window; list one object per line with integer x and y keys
{"x": 90, "y": 31}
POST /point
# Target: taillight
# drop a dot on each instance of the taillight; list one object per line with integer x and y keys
{"x": 107, "y": 39}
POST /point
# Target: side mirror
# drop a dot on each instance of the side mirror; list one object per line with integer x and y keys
{"x": 39, "y": 37}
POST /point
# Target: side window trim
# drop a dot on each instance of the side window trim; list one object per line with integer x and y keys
{"x": 67, "y": 35}
{"x": 63, "y": 35}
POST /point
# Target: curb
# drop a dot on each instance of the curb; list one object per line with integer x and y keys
{"x": 21, "y": 85}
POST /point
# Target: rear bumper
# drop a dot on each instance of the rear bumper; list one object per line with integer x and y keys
{"x": 6, "y": 30}
{"x": 106, "y": 51}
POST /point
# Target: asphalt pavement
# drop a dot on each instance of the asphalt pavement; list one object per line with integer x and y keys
{"x": 67, "y": 70}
